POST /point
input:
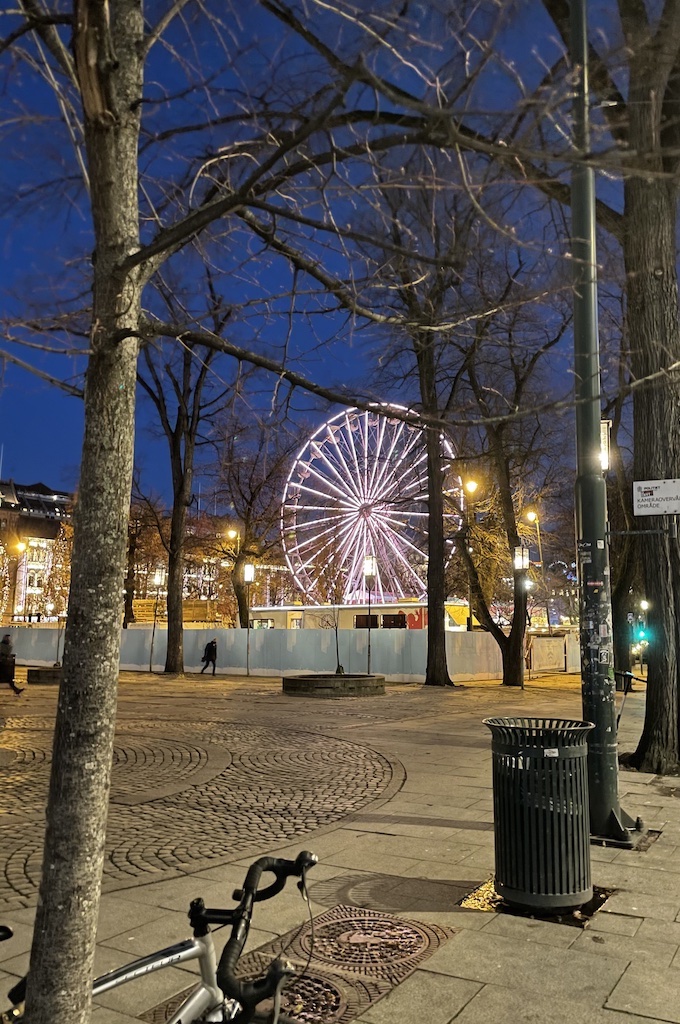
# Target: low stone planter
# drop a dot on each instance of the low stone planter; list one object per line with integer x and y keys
{"x": 43, "y": 676}
{"x": 321, "y": 684}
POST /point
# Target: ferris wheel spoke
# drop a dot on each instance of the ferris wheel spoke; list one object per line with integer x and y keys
{"x": 343, "y": 477}
{"x": 399, "y": 539}
{"x": 314, "y": 538}
{"x": 332, "y": 540}
{"x": 384, "y": 464}
{"x": 399, "y": 482}
{"x": 391, "y": 541}
{"x": 352, "y": 448}
{"x": 357, "y": 554}
{"x": 380, "y": 429}
{"x": 329, "y": 484}
{"x": 323, "y": 512}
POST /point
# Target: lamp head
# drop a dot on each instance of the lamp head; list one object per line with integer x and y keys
{"x": 370, "y": 567}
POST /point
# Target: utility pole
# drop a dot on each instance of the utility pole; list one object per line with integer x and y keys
{"x": 608, "y": 822}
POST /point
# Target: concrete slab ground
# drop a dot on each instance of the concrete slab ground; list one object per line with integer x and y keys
{"x": 394, "y": 794}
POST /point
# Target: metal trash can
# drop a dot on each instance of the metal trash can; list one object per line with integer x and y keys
{"x": 541, "y": 812}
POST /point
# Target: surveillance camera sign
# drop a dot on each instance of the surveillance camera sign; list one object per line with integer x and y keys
{"x": 656, "y": 497}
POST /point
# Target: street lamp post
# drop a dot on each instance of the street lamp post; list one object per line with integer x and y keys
{"x": 248, "y": 577}
{"x": 533, "y": 518}
{"x": 520, "y": 565}
{"x": 608, "y": 821}
{"x": 470, "y": 486}
{"x": 370, "y": 573}
{"x": 158, "y": 579}
{"x": 235, "y": 538}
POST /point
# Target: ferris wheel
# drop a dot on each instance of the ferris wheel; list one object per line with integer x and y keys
{"x": 358, "y": 488}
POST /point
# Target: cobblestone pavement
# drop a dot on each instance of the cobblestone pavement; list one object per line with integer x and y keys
{"x": 397, "y": 790}
{"x": 190, "y": 787}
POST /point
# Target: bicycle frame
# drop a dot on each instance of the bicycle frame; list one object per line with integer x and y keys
{"x": 206, "y": 1000}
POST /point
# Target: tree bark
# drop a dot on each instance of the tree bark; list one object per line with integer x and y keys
{"x": 60, "y": 978}
{"x": 174, "y": 657}
{"x": 436, "y": 671}
{"x": 654, "y": 328}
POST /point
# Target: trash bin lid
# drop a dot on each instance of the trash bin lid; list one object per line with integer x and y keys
{"x": 539, "y": 732}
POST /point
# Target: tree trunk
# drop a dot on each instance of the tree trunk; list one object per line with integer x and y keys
{"x": 620, "y": 608}
{"x": 512, "y": 652}
{"x": 654, "y": 329}
{"x": 174, "y": 658}
{"x": 436, "y": 672}
{"x": 60, "y": 978}
{"x": 128, "y": 608}
{"x": 241, "y": 589}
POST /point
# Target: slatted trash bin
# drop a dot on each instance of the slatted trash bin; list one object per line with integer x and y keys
{"x": 541, "y": 813}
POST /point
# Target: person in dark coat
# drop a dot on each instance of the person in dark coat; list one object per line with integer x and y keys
{"x": 210, "y": 656}
{"x": 7, "y": 663}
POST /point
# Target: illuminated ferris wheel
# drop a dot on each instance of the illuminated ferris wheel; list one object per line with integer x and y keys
{"x": 358, "y": 488}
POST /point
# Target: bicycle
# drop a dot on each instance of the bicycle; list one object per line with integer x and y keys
{"x": 219, "y": 996}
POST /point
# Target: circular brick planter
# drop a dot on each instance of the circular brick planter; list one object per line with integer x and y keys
{"x": 322, "y": 684}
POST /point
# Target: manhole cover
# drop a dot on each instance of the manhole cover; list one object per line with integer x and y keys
{"x": 358, "y": 939}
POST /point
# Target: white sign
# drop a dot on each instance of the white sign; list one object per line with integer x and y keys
{"x": 656, "y": 497}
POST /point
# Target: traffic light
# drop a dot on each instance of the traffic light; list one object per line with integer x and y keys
{"x": 642, "y": 634}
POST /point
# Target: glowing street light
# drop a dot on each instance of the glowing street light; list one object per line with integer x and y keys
{"x": 248, "y": 578}
{"x": 235, "y": 538}
{"x": 521, "y": 559}
{"x": 533, "y": 518}
{"x": 157, "y": 579}
{"x": 470, "y": 486}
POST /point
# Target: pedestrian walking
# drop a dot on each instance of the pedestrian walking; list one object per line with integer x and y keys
{"x": 210, "y": 656}
{"x": 7, "y": 663}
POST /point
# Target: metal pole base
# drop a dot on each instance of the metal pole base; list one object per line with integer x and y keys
{"x": 622, "y": 831}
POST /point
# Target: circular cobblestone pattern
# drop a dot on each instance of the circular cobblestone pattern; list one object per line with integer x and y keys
{"x": 175, "y": 805}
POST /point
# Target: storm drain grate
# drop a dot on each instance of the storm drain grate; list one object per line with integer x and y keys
{"x": 358, "y": 956}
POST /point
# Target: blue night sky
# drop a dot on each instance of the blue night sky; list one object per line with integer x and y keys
{"x": 40, "y": 427}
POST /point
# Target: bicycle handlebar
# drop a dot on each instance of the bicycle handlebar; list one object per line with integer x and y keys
{"x": 250, "y": 993}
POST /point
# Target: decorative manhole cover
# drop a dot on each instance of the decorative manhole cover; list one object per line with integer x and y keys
{"x": 312, "y": 998}
{"x": 353, "y": 940}
{"x": 362, "y": 939}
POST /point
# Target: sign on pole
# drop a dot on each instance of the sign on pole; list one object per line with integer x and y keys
{"x": 656, "y": 497}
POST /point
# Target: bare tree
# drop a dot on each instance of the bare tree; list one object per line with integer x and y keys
{"x": 182, "y": 389}
{"x": 255, "y": 451}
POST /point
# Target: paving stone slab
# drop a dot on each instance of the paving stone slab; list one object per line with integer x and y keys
{"x": 525, "y": 929}
{"x": 439, "y": 996}
{"x": 634, "y": 949}
{"x": 495, "y": 1004}
{"x": 660, "y": 931}
{"x": 616, "y": 924}
{"x": 637, "y": 904}
{"x": 552, "y": 971}
{"x": 648, "y": 991}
